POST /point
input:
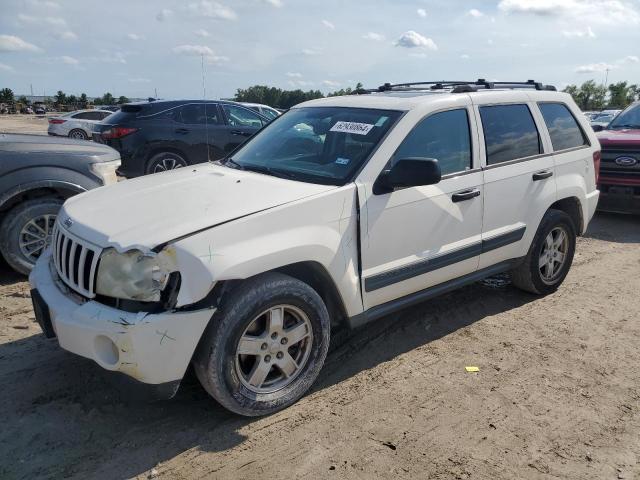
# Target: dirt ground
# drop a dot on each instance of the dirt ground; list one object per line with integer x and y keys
{"x": 19, "y": 123}
{"x": 557, "y": 394}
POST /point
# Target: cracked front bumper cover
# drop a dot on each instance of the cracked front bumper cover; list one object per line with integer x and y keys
{"x": 151, "y": 348}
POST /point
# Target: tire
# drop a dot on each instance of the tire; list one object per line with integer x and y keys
{"x": 23, "y": 224}
{"x": 78, "y": 134}
{"x": 227, "y": 375}
{"x": 161, "y": 162}
{"x": 531, "y": 275}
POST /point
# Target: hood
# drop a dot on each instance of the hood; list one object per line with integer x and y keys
{"x": 619, "y": 137}
{"x": 48, "y": 145}
{"x": 148, "y": 211}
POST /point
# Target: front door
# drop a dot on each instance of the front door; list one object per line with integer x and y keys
{"x": 418, "y": 237}
{"x": 241, "y": 123}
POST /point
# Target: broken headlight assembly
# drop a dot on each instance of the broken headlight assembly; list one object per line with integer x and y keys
{"x": 133, "y": 275}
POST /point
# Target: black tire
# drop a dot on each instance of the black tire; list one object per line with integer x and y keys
{"x": 215, "y": 359}
{"x": 78, "y": 134}
{"x": 528, "y": 275}
{"x": 164, "y": 161}
{"x": 12, "y": 227}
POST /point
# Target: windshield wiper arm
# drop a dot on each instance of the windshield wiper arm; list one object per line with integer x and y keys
{"x": 268, "y": 171}
{"x": 231, "y": 163}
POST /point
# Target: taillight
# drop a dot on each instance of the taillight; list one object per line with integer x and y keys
{"x": 597, "y": 156}
{"x": 117, "y": 132}
{"x": 56, "y": 121}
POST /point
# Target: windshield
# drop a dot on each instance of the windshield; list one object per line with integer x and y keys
{"x": 324, "y": 145}
{"x": 630, "y": 118}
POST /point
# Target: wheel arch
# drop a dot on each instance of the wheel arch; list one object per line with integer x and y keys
{"x": 572, "y": 207}
{"x": 39, "y": 189}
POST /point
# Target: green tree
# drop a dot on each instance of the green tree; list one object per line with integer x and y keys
{"x": 275, "y": 97}
{"x": 347, "y": 91}
{"x": 60, "y": 97}
{"x": 83, "y": 98}
{"x": 108, "y": 99}
{"x": 122, "y": 99}
{"x": 72, "y": 100}
{"x": 621, "y": 94}
{"x": 589, "y": 96}
{"x": 6, "y": 95}
{"x": 22, "y": 99}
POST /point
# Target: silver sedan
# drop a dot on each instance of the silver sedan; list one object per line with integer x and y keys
{"x": 78, "y": 124}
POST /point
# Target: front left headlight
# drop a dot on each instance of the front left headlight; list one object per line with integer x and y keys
{"x": 132, "y": 275}
{"x": 106, "y": 171}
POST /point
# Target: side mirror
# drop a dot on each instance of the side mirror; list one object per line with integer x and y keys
{"x": 408, "y": 172}
{"x": 597, "y": 128}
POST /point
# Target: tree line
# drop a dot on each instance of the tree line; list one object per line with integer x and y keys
{"x": 592, "y": 96}
{"x": 278, "y": 98}
{"x": 61, "y": 98}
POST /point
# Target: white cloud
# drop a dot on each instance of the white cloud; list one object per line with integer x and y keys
{"x": 421, "y": 12}
{"x": 51, "y": 21}
{"x": 6, "y": 68}
{"x": 603, "y": 66}
{"x": 464, "y": 56}
{"x": 107, "y": 56}
{"x": 164, "y": 14}
{"x": 44, "y": 3}
{"x": 134, "y": 36}
{"x": 294, "y": 75}
{"x": 11, "y": 43}
{"x": 330, "y": 83}
{"x": 300, "y": 83}
{"x": 139, "y": 80}
{"x": 202, "y": 33}
{"x": 209, "y": 9}
{"x": 328, "y": 24}
{"x": 413, "y": 39}
{"x": 475, "y": 13}
{"x": 376, "y": 37}
{"x": 66, "y": 35}
{"x": 588, "y": 33}
{"x": 67, "y": 60}
{"x": 612, "y": 12}
{"x": 629, "y": 59}
{"x": 275, "y": 3}
{"x": 200, "y": 50}
{"x": 310, "y": 52}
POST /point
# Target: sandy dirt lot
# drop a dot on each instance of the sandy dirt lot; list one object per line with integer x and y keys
{"x": 557, "y": 395}
{"x": 18, "y": 123}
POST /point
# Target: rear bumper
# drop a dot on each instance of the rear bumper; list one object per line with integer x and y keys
{"x": 151, "y": 348}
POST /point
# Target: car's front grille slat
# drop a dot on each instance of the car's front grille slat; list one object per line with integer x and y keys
{"x": 76, "y": 262}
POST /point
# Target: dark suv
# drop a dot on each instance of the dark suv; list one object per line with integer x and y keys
{"x": 163, "y": 135}
{"x": 619, "y": 180}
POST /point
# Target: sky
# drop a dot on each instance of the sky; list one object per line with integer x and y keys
{"x": 135, "y": 47}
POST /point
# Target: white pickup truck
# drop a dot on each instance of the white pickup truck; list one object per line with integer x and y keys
{"x": 339, "y": 212}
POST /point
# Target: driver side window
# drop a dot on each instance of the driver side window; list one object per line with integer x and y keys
{"x": 443, "y": 136}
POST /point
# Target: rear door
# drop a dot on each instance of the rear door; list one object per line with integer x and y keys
{"x": 518, "y": 173}
{"x": 197, "y": 129}
{"x": 240, "y": 124}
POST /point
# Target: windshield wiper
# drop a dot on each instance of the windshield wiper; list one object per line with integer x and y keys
{"x": 231, "y": 163}
{"x": 269, "y": 171}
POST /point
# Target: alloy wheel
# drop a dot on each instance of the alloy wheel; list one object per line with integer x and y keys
{"x": 36, "y": 235}
{"x": 553, "y": 255}
{"x": 167, "y": 163}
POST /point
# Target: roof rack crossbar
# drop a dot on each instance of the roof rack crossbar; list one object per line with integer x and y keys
{"x": 457, "y": 86}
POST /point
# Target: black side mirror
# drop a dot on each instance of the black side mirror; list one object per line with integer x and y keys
{"x": 597, "y": 128}
{"x": 408, "y": 172}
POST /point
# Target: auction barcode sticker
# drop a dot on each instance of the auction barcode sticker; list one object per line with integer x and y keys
{"x": 352, "y": 127}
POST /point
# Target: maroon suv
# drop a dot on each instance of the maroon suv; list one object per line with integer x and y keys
{"x": 619, "y": 180}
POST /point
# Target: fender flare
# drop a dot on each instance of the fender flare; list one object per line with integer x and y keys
{"x": 53, "y": 184}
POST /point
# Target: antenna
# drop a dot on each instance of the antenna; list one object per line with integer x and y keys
{"x": 206, "y": 116}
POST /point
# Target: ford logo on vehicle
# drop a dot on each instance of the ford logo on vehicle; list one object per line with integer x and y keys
{"x": 626, "y": 161}
{"x": 67, "y": 222}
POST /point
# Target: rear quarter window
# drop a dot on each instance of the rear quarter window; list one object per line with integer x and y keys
{"x": 510, "y": 133}
{"x": 563, "y": 128}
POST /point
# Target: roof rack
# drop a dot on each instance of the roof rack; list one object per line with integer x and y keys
{"x": 456, "y": 86}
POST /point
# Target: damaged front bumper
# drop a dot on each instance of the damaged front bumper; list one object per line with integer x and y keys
{"x": 151, "y": 348}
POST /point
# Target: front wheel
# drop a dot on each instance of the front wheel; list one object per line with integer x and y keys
{"x": 265, "y": 346}
{"x": 550, "y": 256}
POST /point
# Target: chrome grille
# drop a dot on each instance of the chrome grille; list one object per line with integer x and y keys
{"x": 76, "y": 261}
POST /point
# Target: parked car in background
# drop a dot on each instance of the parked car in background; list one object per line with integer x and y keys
{"x": 601, "y": 120}
{"x": 37, "y": 174}
{"x": 619, "y": 179}
{"x": 40, "y": 110}
{"x": 242, "y": 267}
{"x": 265, "y": 110}
{"x": 111, "y": 108}
{"x": 163, "y": 135}
{"x": 78, "y": 124}
{"x": 26, "y": 110}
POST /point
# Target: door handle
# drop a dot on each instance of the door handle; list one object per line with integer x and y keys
{"x": 465, "y": 195}
{"x": 182, "y": 131}
{"x": 241, "y": 133}
{"x": 542, "y": 175}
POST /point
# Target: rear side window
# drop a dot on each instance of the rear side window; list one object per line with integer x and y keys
{"x": 563, "y": 128}
{"x": 443, "y": 136}
{"x": 241, "y": 117}
{"x": 509, "y": 133}
{"x": 197, "y": 114}
{"x": 83, "y": 116}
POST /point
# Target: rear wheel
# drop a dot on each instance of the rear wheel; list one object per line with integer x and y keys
{"x": 161, "y": 162}
{"x": 26, "y": 231}
{"x": 266, "y": 345}
{"x": 550, "y": 256}
{"x": 78, "y": 134}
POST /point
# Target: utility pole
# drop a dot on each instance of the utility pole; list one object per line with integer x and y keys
{"x": 606, "y": 78}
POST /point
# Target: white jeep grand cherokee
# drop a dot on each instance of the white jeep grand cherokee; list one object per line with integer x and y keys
{"x": 340, "y": 211}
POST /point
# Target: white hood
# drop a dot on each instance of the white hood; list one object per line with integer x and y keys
{"x": 148, "y": 211}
